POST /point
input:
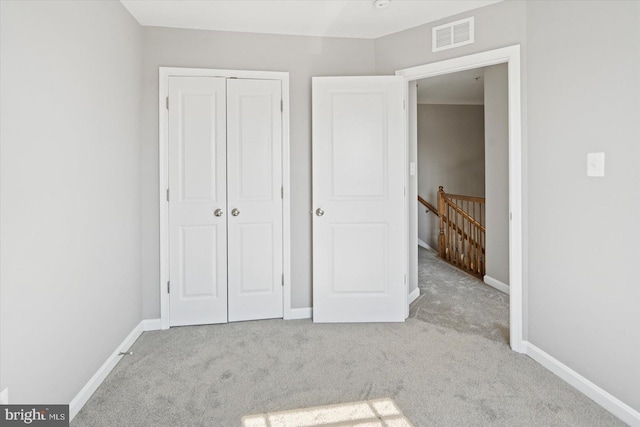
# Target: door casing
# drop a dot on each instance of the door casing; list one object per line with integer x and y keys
{"x": 517, "y": 188}
{"x": 163, "y": 179}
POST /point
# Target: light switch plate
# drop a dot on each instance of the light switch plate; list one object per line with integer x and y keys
{"x": 412, "y": 168}
{"x": 595, "y": 164}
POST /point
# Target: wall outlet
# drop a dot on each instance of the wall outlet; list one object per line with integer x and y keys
{"x": 4, "y": 397}
{"x": 595, "y": 164}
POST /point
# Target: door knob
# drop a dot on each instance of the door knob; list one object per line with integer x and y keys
{"x": 319, "y": 212}
{"x": 235, "y": 212}
{"x": 217, "y": 212}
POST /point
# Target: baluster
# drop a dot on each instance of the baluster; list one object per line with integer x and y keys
{"x": 469, "y": 245}
{"x": 452, "y": 238}
{"x": 441, "y": 238}
{"x": 448, "y": 233}
{"x": 464, "y": 239}
{"x": 478, "y": 251}
{"x": 456, "y": 227}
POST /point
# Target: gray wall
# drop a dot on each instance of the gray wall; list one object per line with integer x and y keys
{"x": 498, "y": 25}
{"x": 584, "y": 96}
{"x": 496, "y": 152}
{"x": 451, "y": 154}
{"x": 581, "y": 93}
{"x": 302, "y": 57}
{"x": 70, "y": 187}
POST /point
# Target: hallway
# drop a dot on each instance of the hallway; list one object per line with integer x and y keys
{"x": 457, "y": 300}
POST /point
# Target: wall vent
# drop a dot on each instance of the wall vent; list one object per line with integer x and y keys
{"x": 453, "y": 34}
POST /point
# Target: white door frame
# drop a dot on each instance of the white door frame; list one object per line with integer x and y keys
{"x": 511, "y": 56}
{"x": 163, "y": 170}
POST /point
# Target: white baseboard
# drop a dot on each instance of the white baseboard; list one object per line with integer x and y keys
{"x": 300, "y": 313}
{"x": 609, "y": 402}
{"x": 4, "y": 397}
{"x": 423, "y": 244}
{"x": 92, "y": 385}
{"x": 497, "y": 284}
{"x": 151, "y": 325}
{"x": 413, "y": 295}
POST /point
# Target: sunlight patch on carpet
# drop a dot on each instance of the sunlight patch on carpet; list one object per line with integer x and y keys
{"x": 366, "y": 413}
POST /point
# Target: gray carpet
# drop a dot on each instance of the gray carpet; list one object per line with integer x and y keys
{"x": 455, "y": 299}
{"x": 442, "y": 368}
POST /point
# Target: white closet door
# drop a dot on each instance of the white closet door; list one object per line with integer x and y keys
{"x": 358, "y": 199}
{"x": 254, "y": 171}
{"x": 197, "y": 182}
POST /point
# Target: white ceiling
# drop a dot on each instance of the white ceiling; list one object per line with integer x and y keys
{"x": 331, "y": 18}
{"x": 462, "y": 88}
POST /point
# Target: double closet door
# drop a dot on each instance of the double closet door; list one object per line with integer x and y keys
{"x": 225, "y": 200}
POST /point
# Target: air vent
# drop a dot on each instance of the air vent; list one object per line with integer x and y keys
{"x": 453, "y": 34}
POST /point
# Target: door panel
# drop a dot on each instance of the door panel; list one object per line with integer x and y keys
{"x": 254, "y": 170}
{"x": 359, "y": 255}
{"x": 358, "y": 184}
{"x": 256, "y": 262}
{"x": 358, "y": 139}
{"x": 197, "y": 180}
{"x": 198, "y": 264}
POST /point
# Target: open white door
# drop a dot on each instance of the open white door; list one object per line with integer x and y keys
{"x": 254, "y": 171}
{"x": 358, "y": 199}
{"x": 197, "y": 203}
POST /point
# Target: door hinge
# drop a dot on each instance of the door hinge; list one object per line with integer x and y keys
{"x": 168, "y": 287}
{"x": 404, "y": 104}
{"x": 167, "y": 194}
{"x": 281, "y": 105}
{"x": 405, "y": 279}
{"x": 282, "y": 279}
{"x": 167, "y": 102}
{"x": 282, "y": 192}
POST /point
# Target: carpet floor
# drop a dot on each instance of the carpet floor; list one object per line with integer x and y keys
{"x": 449, "y": 364}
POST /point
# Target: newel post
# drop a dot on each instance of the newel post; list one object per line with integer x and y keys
{"x": 441, "y": 239}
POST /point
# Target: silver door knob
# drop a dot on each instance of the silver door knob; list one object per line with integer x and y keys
{"x": 319, "y": 212}
{"x": 235, "y": 212}
{"x": 218, "y": 212}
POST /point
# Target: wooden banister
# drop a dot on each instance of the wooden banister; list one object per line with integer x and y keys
{"x": 428, "y": 205}
{"x": 468, "y": 217}
{"x": 461, "y": 240}
{"x": 466, "y": 198}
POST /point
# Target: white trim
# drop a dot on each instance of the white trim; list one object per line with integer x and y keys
{"x": 164, "y": 73}
{"x": 299, "y": 313}
{"x": 151, "y": 325}
{"x": 511, "y": 56}
{"x": 414, "y": 295}
{"x": 286, "y": 198}
{"x": 609, "y": 402}
{"x": 4, "y": 397}
{"x": 423, "y": 244}
{"x": 92, "y": 385}
{"x": 497, "y": 284}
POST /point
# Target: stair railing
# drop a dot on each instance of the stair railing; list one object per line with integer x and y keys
{"x": 461, "y": 240}
{"x": 429, "y": 206}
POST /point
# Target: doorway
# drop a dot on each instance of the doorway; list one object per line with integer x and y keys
{"x": 224, "y": 221}
{"x": 510, "y": 56}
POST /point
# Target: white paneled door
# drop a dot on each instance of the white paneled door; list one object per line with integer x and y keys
{"x": 198, "y": 200}
{"x": 358, "y": 199}
{"x": 254, "y": 162}
{"x": 225, "y": 205}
